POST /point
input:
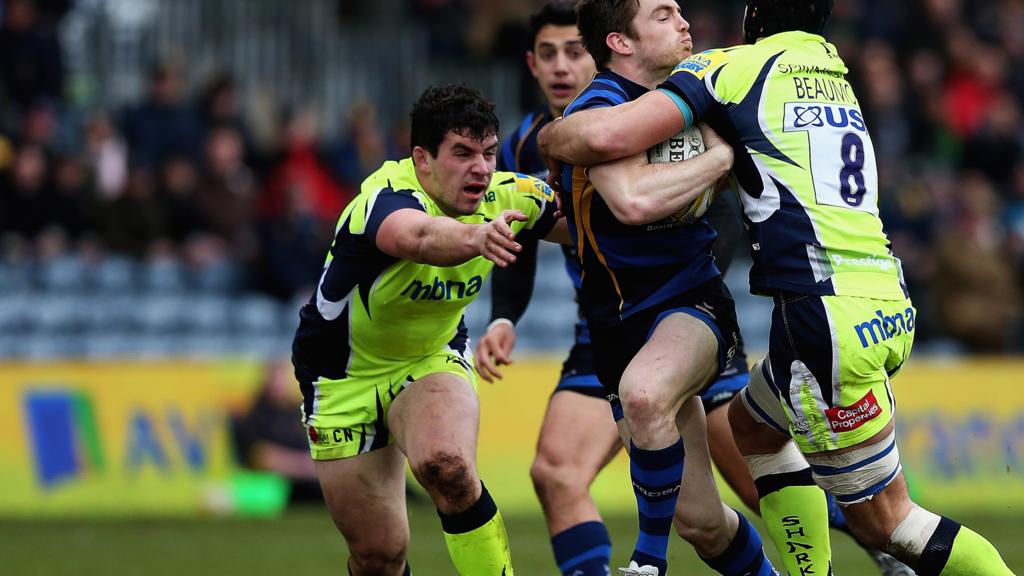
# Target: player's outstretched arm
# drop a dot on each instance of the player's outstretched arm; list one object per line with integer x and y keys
{"x": 640, "y": 193}
{"x": 589, "y": 137}
{"x": 441, "y": 241}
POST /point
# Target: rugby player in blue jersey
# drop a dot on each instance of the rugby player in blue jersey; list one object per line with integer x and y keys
{"x": 843, "y": 324}
{"x": 662, "y": 323}
{"x": 578, "y": 438}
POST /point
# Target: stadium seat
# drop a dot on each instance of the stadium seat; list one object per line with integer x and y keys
{"x": 15, "y": 277}
{"x": 64, "y": 274}
{"x": 15, "y": 314}
{"x": 115, "y": 275}
{"x": 256, "y": 315}
{"x": 57, "y": 315}
{"x": 160, "y": 315}
{"x": 220, "y": 278}
{"x": 162, "y": 277}
{"x": 206, "y": 314}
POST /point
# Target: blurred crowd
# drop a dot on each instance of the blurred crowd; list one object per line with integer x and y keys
{"x": 194, "y": 179}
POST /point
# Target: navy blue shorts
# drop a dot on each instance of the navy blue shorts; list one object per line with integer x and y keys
{"x": 615, "y": 345}
{"x": 578, "y": 371}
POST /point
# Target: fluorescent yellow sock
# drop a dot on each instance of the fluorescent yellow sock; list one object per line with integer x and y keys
{"x": 477, "y": 541}
{"x": 795, "y": 516}
{"x": 969, "y": 555}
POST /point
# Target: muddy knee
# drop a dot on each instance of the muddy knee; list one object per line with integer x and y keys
{"x": 449, "y": 478}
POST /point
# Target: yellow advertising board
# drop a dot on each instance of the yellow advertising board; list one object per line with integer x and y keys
{"x": 960, "y": 430}
{"x": 124, "y": 438}
{"x": 153, "y": 438}
{"x": 960, "y": 426}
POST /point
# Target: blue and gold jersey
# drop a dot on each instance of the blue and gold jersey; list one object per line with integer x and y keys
{"x": 628, "y": 268}
{"x": 519, "y": 152}
{"x": 805, "y": 163}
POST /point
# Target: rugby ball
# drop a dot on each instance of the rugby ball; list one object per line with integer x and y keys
{"x": 683, "y": 146}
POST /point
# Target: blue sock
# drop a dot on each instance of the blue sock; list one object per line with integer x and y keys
{"x": 656, "y": 476}
{"x": 583, "y": 550}
{"x": 836, "y": 518}
{"x": 744, "y": 556}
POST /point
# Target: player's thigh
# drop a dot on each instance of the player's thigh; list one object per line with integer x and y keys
{"x": 437, "y": 415}
{"x": 578, "y": 435}
{"x": 830, "y": 362}
{"x": 679, "y": 358}
{"x": 365, "y": 495}
{"x": 437, "y": 412}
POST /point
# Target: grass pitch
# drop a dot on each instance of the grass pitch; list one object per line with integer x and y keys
{"x": 304, "y": 541}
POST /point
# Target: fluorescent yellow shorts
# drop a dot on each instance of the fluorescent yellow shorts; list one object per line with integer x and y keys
{"x": 830, "y": 360}
{"x": 347, "y": 417}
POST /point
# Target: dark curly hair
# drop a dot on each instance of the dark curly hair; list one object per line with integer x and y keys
{"x": 597, "y": 19}
{"x": 553, "y": 13}
{"x": 457, "y": 108}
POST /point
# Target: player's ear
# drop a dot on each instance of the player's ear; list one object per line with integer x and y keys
{"x": 531, "y": 62}
{"x": 421, "y": 159}
{"x": 619, "y": 44}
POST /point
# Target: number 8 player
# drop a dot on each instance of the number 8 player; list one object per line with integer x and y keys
{"x": 842, "y": 325}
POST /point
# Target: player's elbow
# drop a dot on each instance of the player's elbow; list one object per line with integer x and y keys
{"x": 633, "y": 211}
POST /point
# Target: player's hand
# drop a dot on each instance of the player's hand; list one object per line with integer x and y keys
{"x": 555, "y": 182}
{"x": 712, "y": 141}
{"x": 495, "y": 349}
{"x": 711, "y": 138}
{"x": 496, "y": 241}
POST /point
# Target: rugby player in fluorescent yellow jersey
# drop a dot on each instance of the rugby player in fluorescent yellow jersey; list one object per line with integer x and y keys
{"x": 843, "y": 324}
{"x": 381, "y": 352}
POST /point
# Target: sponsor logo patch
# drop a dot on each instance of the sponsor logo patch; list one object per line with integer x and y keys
{"x": 848, "y": 418}
{"x": 883, "y": 327}
{"x": 699, "y": 64}
{"x": 325, "y": 436}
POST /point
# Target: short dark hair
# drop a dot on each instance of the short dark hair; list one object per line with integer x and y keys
{"x": 765, "y": 18}
{"x": 457, "y": 108}
{"x": 597, "y": 19}
{"x": 553, "y": 13}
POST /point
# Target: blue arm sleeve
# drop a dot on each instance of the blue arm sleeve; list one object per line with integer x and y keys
{"x": 681, "y": 104}
{"x": 690, "y": 94}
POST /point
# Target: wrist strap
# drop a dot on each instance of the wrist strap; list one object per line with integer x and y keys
{"x": 499, "y": 321}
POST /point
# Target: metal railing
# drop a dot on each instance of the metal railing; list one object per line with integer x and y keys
{"x": 299, "y": 51}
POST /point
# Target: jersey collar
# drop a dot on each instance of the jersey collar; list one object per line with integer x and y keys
{"x": 790, "y": 37}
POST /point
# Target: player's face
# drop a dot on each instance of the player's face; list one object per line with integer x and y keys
{"x": 460, "y": 174}
{"x": 560, "y": 63}
{"x": 663, "y": 35}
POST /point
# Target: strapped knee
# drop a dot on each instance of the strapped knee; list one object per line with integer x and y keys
{"x": 858, "y": 475}
{"x": 914, "y": 532}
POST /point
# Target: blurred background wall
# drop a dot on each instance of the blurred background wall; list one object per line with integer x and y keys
{"x": 171, "y": 172}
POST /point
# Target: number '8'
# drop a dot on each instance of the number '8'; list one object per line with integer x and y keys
{"x": 853, "y": 167}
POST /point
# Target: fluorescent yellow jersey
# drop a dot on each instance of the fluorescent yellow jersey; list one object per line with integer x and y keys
{"x": 804, "y": 163}
{"x": 371, "y": 310}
